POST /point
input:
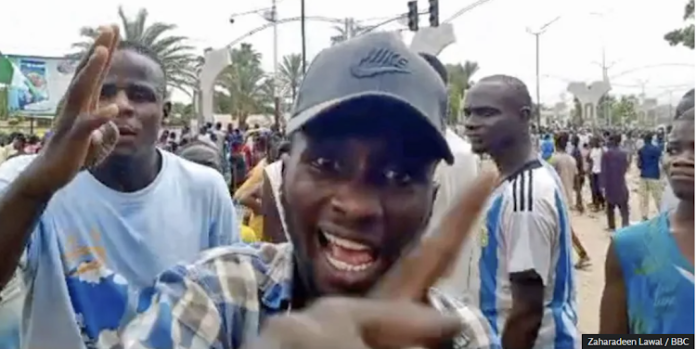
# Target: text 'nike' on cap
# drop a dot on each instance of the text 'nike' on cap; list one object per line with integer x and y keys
{"x": 374, "y": 66}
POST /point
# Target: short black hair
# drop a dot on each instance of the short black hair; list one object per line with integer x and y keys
{"x": 647, "y": 137}
{"x": 561, "y": 141}
{"x": 685, "y": 103}
{"x": 143, "y": 50}
{"x": 434, "y": 62}
{"x": 520, "y": 88}
{"x": 687, "y": 115}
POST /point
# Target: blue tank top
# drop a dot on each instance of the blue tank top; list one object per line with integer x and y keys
{"x": 659, "y": 280}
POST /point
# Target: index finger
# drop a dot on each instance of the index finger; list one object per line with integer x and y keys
{"x": 412, "y": 276}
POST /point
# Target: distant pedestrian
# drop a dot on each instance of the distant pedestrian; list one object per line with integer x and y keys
{"x": 614, "y": 166}
{"x": 649, "y": 163}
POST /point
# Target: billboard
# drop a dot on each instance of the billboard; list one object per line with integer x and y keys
{"x": 42, "y": 83}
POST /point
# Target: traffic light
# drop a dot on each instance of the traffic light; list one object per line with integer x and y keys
{"x": 413, "y": 15}
{"x": 434, "y": 10}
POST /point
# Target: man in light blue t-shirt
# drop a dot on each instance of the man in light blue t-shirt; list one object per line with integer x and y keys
{"x": 96, "y": 238}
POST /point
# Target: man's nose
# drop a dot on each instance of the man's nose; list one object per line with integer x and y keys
{"x": 125, "y": 107}
{"x": 358, "y": 203}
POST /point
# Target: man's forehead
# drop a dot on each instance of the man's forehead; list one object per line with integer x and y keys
{"x": 490, "y": 95}
{"x": 130, "y": 65}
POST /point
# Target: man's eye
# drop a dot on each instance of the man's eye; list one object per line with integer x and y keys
{"x": 325, "y": 164}
{"x": 397, "y": 177}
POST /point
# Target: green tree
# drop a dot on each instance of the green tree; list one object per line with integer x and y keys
{"x": 4, "y": 112}
{"x": 290, "y": 72}
{"x": 172, "y": 50}
{"x": 459, "y": 81}
{"x": 604, "y": 110}
{"x": 624, "y": 111}
{"x": 248, "y": 88}
{"x": 347, "y": 31}
{"x": 684, "y": 36}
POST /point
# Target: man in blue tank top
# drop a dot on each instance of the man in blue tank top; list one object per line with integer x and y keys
{"x": 649, "y": 286}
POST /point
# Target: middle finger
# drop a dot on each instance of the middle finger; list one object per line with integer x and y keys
{"x": 112, "y": 46}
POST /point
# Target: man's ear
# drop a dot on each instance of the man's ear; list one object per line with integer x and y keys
{"x": 166, "y": 109}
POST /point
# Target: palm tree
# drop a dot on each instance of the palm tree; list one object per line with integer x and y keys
{"x": 290, "y": 74}
{"x": 459, "y": 81}
{"x": 248, "y": 87}
{"x": 348, "y": 31}
{"x": 172, "y": 51}
{"x": 460, "y": 74}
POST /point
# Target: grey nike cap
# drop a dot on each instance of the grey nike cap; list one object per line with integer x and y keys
{"x": 375, "y": 66}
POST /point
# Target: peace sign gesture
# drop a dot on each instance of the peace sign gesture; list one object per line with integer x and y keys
{"x": 393, "y": 316}
{"x": 83, "y": 134}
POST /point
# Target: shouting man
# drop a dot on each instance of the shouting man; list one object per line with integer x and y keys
{"x": 366, "y": 136}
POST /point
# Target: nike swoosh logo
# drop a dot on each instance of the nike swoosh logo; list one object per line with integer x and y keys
{"x": 368, "y": 71}
{"x": 685, "y": 273}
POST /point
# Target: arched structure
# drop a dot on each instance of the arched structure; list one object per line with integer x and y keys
{"x": 429, "y": 40}
{"x": 589, "y": 96}
{"x": 217, "y": 60}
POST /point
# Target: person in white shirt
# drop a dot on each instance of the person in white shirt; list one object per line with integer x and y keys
{"x": 595, "y": 160}
{"x": 526, "y": 277}
{"x": 451, "y": 179}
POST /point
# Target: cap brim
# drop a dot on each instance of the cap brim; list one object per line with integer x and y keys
{"x": 298, "y": 121}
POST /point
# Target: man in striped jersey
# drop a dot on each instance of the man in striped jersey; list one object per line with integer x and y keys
{"x": 525, "y": 285}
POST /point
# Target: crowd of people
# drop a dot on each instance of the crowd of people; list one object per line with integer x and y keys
{"x": 119, "y": 234}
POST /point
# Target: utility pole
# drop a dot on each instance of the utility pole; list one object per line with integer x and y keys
{"x": 605, "y": 77}
{"x": 303, "y": 20}
{"x": 537, "y": 34}
{"x": 276, "y": 85}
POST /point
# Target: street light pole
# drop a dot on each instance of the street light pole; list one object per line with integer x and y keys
{"x": 276, "y": 84}
{"x": 538, "y": 88}
{"x": 537, "y": 34}
{"x": 304, "y": 39}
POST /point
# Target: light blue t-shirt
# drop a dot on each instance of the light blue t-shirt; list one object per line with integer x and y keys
{"x": 96, "y": 251}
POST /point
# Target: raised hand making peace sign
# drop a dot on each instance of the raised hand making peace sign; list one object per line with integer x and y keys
{"x": 83, "y": 134}
{"x": 393, "y": 316}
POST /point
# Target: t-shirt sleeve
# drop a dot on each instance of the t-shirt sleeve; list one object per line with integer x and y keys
{"x": 224, "y": 227}
{"x": 9, "y": 171}
{"x": 529, "y": 230}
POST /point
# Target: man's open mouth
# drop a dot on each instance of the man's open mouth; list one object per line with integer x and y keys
{"x": 346, "y": 255}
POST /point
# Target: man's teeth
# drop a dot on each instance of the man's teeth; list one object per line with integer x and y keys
{"x": 347, "y": 244}
{"x": 345, "y": 266}
{"x": 347, "y": 255}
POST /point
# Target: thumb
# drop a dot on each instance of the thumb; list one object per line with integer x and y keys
{"x": 88, "y": 123}
{"x": 103, "y": 141}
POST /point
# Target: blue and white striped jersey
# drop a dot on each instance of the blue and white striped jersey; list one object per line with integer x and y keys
{"x": 526, "y": 227}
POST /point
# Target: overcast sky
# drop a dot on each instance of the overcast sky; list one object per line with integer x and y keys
{"x": 494, "y": 34}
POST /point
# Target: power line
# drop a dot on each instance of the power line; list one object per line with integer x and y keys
{"x": 465, "y": 9}
{"x": 258, "y": 10}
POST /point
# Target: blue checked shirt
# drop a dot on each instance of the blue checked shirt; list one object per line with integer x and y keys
{"x": 221, "y": 301}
